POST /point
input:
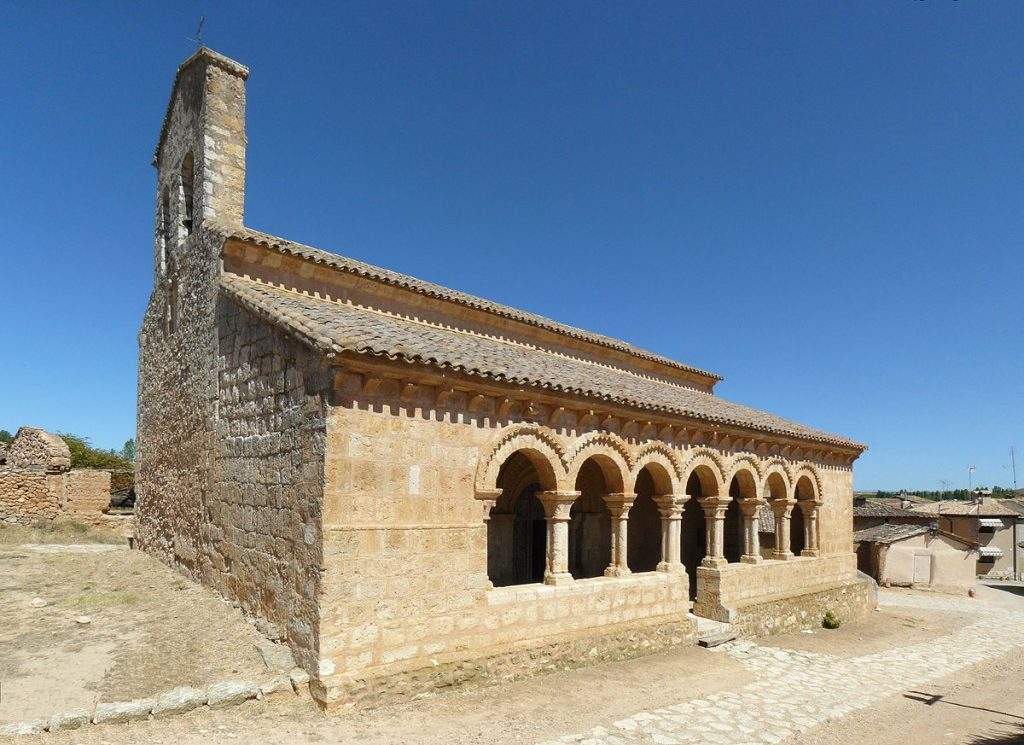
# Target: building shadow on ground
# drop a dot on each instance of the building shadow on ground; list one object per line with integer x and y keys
{"x": 1012, "y": 735}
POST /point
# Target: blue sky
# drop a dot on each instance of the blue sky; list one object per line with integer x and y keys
{"x": 820, "y": 201}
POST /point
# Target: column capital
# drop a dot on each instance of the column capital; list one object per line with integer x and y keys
{"x": 619, "y": 504}
{"x": 487, "y": 498}
{"x": 557, "y": 503}
{"x": 715, "y": 506}
{"x": 808, "y": 506}
{"x": 751, "y": 507}
{"x": 671, "y": 505}
{"x": 783, "y": 507}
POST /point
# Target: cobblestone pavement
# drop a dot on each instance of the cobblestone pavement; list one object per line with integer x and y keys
{"x": 796, "y": 691}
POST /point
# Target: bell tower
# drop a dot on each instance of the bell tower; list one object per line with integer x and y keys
{"x": 200, "y": 158}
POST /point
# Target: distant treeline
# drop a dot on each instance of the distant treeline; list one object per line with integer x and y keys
{"x": 999, "y": 492}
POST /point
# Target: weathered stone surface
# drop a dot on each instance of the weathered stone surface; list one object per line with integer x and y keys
{"x": 68, "y": 720}
{"x": 38, "y": 449}
{"x": 179, "y": 700}
{"x": 123, "y": 711}
{"x": 35, "y": 727}
{"x": 230, "y": 693}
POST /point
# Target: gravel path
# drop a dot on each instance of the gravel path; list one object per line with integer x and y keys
{"x": 797, "y": 690}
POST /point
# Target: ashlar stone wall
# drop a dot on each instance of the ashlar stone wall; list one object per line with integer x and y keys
{"x": 405, "y": 581}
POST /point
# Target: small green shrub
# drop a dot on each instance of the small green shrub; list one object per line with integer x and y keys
{"x": 830, "y": 620}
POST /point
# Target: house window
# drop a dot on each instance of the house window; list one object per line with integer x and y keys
{"x": 187, "y": 177}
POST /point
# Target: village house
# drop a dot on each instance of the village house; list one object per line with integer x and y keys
{"x": 412, "y": 486}
{"x": 995, "y": 525}
{"x": 905, "y": 554}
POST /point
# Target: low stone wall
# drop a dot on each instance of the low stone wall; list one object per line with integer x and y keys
{"x": 849, "y": 602}
{"x": 507, "y": 662}
{"x": 722, "y": 591}
{"x": 88, "y": 491}
{"x": 29, "y": 497}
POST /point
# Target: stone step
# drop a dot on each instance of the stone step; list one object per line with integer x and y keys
{"x": 711, "y": 633}
{"x": 713, "y": 640}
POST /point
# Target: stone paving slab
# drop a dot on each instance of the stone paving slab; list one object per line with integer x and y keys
{"x": 796, "y": 691}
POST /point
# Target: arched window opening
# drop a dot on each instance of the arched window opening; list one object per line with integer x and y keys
{"x": 187, "y": 194}
{"x": 164, "y": 230}
{"x": 797, "y": 524}
{"x": 171, "y": 310}
{"x": 516, "y": 530}
{"x": 693, "y": 535}
{"x": 590, "y": 525}
{"x": 732, "y": 538}
{"x": 774, "y": 491}
{"x": 644, "y": 532}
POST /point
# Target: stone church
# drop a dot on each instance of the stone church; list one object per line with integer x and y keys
{"x": 413, "y": 486}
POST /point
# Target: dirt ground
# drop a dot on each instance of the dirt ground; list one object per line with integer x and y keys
{"x": 142, "y": 634}
{"x": 548, "y": 706}
{"x": 142, "y": 638}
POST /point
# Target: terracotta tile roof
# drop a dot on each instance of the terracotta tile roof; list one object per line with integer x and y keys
{"x": 430, "y": 289}
{"x": 892, "y": 532}
{"x": 880, "y": 508}
{"x": 889, "y": 532}
{"x": 987, "y": 508}
{"x": 339, "y": 327}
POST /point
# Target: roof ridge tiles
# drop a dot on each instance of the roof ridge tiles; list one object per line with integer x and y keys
{"x": 388, "y": 276}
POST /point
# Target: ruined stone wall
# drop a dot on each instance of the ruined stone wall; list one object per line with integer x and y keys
{"x": 37, "y": 449}
{"x": 29, "y": 497}
{"x": 87, "y": 491}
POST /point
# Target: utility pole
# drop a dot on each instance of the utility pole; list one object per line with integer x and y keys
{"x": 970, "y": 478}
{"x": 1013, "y": 465}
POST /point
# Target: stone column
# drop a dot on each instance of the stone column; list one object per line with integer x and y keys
{"x": 810, "y": 510}
{"x": 619, "y": 506}
{"x": 714, "y": 516}
{"x": 783, "y": 509}
{"x": 556, "y": 509}
{"x": 670, "y": 507}
{"x": 751, "y": 530}
{"x": 488, "y": 498}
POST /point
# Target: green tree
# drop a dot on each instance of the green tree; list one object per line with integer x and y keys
{"x": 128, "y": 451}
{"x": 84, "y": 455}
{"x": 6, "y": 436}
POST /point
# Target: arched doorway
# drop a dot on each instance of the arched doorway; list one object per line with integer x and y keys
{"x": 517, "y": 530}
{"x": 742, "y": 487}
{"x": 590, "y": 524}
{"x": 643, "y": 551}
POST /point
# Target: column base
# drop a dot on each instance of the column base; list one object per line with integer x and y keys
{"x": 616, "y": 571}
{"x": 810, "y": 552}
{"x": 714, "y": 562}
{"x": 668, "y": 568}
{"x": 783, "y": 555}
{"x": 751, "y": 559}
{"x": 560, "y": 578}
